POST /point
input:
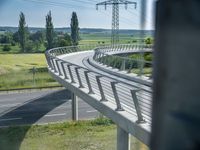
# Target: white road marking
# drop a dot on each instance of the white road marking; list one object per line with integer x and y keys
{"x": 90, "y": 111}
{"x": 52, "y": 115}
{"x": 10, "y": 119}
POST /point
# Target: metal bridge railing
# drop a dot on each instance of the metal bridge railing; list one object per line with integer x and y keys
{"x": 110, "y": 56}
{"x": 125, "y": 97}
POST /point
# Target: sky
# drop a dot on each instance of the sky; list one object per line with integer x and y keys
{"x": 36, "y": 10}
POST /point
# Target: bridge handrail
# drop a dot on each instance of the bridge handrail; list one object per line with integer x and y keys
{"x": 108, "y": 55}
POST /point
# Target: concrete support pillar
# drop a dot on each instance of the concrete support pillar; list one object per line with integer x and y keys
{"x": 123, "y": 139}
{"x": 74, "y": 107}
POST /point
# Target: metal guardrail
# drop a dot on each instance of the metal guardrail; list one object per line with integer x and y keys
{"x": 110, "y": 56}
{"x": 125, "y": 97}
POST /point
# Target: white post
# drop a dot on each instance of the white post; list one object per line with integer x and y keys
{"x": 74, "y": 107}
{"x": 123, "y": 139}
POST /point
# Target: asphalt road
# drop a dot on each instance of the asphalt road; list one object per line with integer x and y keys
{"x": 40, "y": 108}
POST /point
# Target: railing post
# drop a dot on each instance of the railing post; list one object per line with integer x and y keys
{"x": 88, "y": 82}
{"x": 59, "y": 71}
{"x": 123, "y": 65}
{"x": 70, "y": 73}
{"x": 50, "y": 64}
{"x": 137, "y": 107}
{"x": 79, "y": 78}
{"x": 64, "y": 71}
{"x": 74, "y": 107}
{"x": 54, "y": 66}
{"x": 123, "y": 139}
{"x": 131, "y": 66}
{"x": 103, "y": 98}
{"x": 119, "y": 107}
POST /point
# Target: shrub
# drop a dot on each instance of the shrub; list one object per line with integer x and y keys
{"x": 102, "y": 121}
{"x": 134, "y": 41}
{"x": 13, "y": 43}
{"x": 148, "y": 41}
{"x": 6, "y": 48}
{"x": 29, "y": 46}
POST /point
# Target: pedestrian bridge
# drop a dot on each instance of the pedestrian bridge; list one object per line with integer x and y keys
{"x": 110, "y": 82}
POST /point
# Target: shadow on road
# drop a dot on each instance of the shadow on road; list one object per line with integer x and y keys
{"x": 30, "y": 112}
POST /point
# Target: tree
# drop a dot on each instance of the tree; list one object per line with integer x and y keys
{"x": 148, "y": 41}
{"x": 16, "y": 37}
{"x": 74, "y": 29}
{"x": 37, "y": 36}
{"x": 22, "y": 32}
{"x": 49, "y": 31}
{"x": 6, "y": 38}
{"x": 62, "y": 40}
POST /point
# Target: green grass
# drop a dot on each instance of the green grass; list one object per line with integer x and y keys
{"x": 97, "y": 38}
{"x": 16, "y": 71}
{"x": 14, "y": 49}
{"x": 146, "y": 71}
{"x": 82, "y": 135}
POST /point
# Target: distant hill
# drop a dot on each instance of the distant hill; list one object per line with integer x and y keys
{"x": 83, "y": 30}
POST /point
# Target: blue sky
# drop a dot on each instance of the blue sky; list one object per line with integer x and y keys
{"x": 36, "y": 10}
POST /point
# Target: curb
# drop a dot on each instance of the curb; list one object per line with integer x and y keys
{"x": 23, "y": 90}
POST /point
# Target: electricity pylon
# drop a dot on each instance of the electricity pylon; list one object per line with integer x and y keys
{"x": 115, "y": 16}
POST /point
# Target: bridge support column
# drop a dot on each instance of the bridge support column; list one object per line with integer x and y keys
{"x": 74, "y": 107}
{"x": 123, "y": 139}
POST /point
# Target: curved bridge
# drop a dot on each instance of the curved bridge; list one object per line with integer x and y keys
{"x": 98, "y": 80}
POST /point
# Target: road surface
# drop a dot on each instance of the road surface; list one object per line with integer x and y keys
{"x": 40, "y": 107}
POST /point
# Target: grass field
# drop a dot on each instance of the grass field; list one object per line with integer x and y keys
{"x": 16, "y": 49}
{"x": 16, "y": 71}
{"x": 83, "y": 135}
{"x": 105, "y": 39}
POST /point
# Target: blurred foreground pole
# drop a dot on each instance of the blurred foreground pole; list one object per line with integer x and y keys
{"x": 176, "y": 104}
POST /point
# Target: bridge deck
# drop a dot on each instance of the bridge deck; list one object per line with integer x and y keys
{"x": 144, "y": 95}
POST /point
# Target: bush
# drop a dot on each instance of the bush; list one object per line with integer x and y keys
{"x": 102, "y": 121}
{"x": 13, "y": 43}
{"x": 29, "y": 46}
{"x": 6, "y": 48}
{"x": 148, "y": 41}
{"x": 134, "y": 41}
{"x": 63, "y": 42}
{"x": 148, "y": 56}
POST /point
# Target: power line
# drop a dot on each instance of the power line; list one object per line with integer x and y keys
{"x": 60, "y": 4}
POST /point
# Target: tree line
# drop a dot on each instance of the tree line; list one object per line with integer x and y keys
{"x": 48, "y": 38}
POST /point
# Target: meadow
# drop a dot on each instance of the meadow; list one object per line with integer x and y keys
{"x": 98, "y": 134}
{"x": 24, "y": 71}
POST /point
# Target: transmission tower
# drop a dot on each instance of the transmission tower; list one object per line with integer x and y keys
{"x": 115, "y": 16}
